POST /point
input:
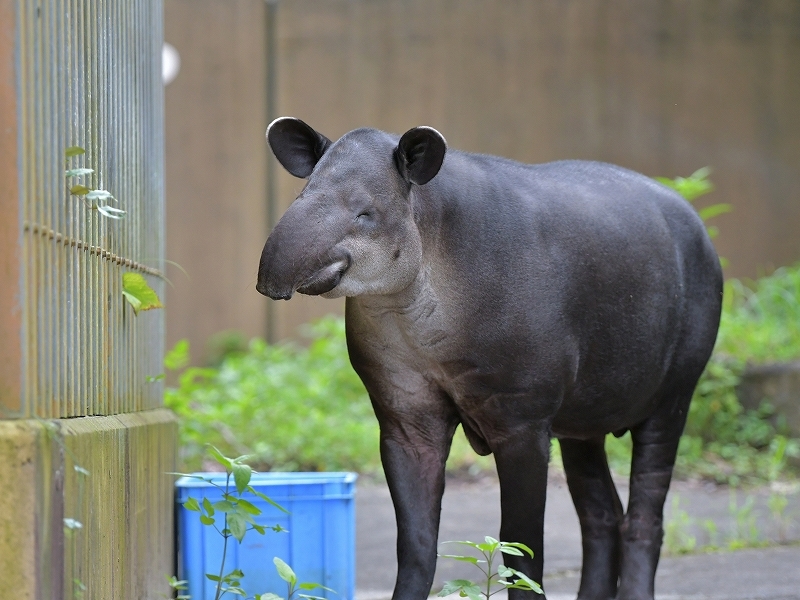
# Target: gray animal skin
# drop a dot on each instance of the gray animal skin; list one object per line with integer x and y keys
{"x": 568, "y": 299}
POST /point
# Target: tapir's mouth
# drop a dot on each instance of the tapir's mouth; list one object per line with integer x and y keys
{"x": 325, "y": 279}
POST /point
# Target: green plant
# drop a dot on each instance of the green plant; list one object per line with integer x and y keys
{"x": 694, "y": 186}
{"x": 179, "y": 587}
{"x": 744, "y": 531}
{"x": 93, "y": 199}
{"x": 293, "y": 586}
{"x": 499, "y": 578}
{"x": 777, "y": 503}
{"x": 713, "y": 534}
{"x": 238, "y": 518}
{"x": 237, "y": 514}
{"x": 292, "y": 408}
{"x": 677, "y": 539}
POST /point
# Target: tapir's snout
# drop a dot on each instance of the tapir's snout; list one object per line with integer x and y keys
{"x": 292, "y": 261}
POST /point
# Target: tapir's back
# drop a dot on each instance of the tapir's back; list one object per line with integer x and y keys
{"x": 600, "y": 275}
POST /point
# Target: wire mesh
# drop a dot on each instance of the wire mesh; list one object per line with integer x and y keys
{"x": 89, "y": 75}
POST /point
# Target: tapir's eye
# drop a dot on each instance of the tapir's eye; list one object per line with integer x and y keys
{"x": 364, "y": 215}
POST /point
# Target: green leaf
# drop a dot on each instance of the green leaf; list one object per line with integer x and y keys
{"x": 241, "y": 475}
{"x": 208, "y": 506}
{"x": 206, "y": 520}
{"x": 266, "y": 498}
{"x": 74, "y": 151}
{"x": 523, "y": 583}
{"x": 238, "y": 525}
{"x": 464, "y": 587}
{"x": 309, "y": 585}
{"x": 519, "y": 545}
{"x": 234, "y": 590}
{"x": 154, "y": 378}
{"x": 220, "y": 457}
{"x": 714, "y": 210}
{"x": 285, "y": 571}
{"x": 213, "y": 577}
{"x": 78, "y": 172}
{"x": 510, "y": 550}
{"x": 79, "y": 190}
{"x": 140, "y": 295}
{"x": 178, "y": 356}
{"x": 469, "y": 559}
{"x": 465, "y": 543}
{"x": 259, "y": 528}
{"x": 191, "y": 504}
{"x": 490, "y": 545}
{"x": 224, "y": 506}
{"x": 248, "y": 507}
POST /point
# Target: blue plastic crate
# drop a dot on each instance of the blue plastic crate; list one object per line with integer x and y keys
{"x": 319, "y": 545}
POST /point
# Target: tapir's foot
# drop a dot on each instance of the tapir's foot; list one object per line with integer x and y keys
{"x": 641, "y": 546}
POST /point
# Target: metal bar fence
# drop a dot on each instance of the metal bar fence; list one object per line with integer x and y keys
{"x": 88, "y": 74}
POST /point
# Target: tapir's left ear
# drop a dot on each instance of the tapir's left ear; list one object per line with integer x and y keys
{"x": 420, "y": 154}
{"x": 296, "y": 145}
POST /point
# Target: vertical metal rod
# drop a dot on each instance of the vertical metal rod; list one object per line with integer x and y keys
{"x": 272, "y": 188}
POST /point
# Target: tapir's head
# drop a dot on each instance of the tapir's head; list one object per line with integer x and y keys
{"x": 351, "y": 231}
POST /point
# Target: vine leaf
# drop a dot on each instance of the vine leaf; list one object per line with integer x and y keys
{"x": 140, "y": 295}
{"x": 74, "y": 151}
{"x": 79, "y": 190}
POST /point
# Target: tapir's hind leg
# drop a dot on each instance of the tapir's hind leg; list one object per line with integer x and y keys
{"x": 655, "y": 445}
{"x": 600, "y": 513}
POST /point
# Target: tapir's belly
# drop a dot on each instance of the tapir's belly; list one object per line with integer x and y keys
{"x": 577, "y": 397}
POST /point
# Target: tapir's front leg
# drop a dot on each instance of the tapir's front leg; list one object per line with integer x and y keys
{"x": 521, "y": 459}
{"x": 415, "y": 442}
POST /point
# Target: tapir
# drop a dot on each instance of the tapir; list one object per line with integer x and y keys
{"x": 570, "y": 299}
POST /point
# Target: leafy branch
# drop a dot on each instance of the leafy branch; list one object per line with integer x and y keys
{"x": 694, "y": 186}
{"x": 505, "y": 577}
{"x": 93, "y": 199}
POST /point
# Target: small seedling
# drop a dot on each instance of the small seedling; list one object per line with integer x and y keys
{"x": 294, "y": 588}
{"x": 777, "y": 504}
{"x": 179, "y": 587}
{"x": 745, "y": 531}
{"x": 677, "y": 539}
{"x": 713, "y": 534}
{"x": 501, "y": 578}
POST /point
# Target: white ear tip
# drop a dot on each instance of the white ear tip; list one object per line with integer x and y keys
{"x": 276, "y": 120}
{"x": 436, "y": 131}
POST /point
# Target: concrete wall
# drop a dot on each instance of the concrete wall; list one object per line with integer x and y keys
{"x": 660, "y": 86}
{"x": 122, "y": 499}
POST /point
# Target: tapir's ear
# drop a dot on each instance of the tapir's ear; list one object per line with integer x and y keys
{"x": 296, "y": 145}
{"x": 420, "y": 154}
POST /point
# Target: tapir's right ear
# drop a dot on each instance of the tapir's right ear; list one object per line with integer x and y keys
{"x": 296, "y": 145}
{"x": 419, "y": 154}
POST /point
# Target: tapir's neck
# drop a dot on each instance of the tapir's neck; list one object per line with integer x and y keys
{"x": 418, "y": 298}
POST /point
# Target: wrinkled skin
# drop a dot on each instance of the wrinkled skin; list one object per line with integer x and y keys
{"x": 569, "y": 299}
